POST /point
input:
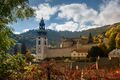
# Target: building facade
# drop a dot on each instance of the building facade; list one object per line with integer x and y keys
{"x": 69, "y": 47}
{"x": 41, "y": 41}
{"x": 115, "y": 53}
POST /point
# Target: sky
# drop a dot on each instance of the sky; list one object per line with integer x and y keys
{"x": 70, "y": 15}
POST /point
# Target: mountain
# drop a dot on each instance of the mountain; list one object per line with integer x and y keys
{"x": 29, "y": 38}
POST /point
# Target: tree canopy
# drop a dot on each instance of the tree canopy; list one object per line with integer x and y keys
{"x": 10, "y": 11}
{"x": 113, "y": 35}
{"x": 110, "y": 39}
{"x": 90, "y": 38}
{"x": 95, "y": 51}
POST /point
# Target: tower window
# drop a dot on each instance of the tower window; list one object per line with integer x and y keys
{"x": 45, "y": 38}
{"x": 45, "y": 42}
{"x": 39, "y": 42}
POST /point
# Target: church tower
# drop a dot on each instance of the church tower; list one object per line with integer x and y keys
{"x": 41, "y": 41}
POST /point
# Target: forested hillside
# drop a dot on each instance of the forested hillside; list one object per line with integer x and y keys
{"x": 110, "y": 39}
{"x": 54, "y": 36}
{"x": 113, "y": 36}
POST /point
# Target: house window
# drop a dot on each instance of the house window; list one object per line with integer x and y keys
{"x": 39, "y": 42}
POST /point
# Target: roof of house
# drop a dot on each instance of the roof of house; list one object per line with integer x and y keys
{"x": 115, "y": 52}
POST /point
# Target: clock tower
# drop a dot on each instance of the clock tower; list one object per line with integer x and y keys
{"x": 41, "y": 41}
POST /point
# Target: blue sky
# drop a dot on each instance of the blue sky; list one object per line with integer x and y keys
{"x": 71, "y": 15}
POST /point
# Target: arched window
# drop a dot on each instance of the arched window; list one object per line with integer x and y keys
{"x": 45, "y": 38}
{"x": 39, "y": 42}
{"x": 45, "y": 42}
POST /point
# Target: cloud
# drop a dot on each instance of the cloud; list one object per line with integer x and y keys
{"x": 45, "y": 11}
{"x": 109, "y": 13}
{"x": 23, "y": 31}
{"x": 16, "y": 32}
{"x": 69, "y": 26}
{"x": 77, "y": 12}
{"x": 79, "y": 16}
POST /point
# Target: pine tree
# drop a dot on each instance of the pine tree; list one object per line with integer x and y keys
{"x": 90, "y": 38}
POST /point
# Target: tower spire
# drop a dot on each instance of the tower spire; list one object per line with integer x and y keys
{"x": 41, "y": 41}
{"x": 42, "y": 24}
{"x": 42, "y": 30}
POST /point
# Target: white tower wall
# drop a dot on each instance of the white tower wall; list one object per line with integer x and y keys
{"x": 41, "y": 41}
{"x": 41, "y": 47}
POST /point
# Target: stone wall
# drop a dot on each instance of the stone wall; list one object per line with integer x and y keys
{"x": 66, "y": 44}
{"x": 59, "y": 52}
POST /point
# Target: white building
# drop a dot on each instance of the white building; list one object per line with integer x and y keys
{"x": 115, "y": 53}
{"x": 66, "y": 50}
{"x": 79, "y": 53}
{"x": 41, "y": 41}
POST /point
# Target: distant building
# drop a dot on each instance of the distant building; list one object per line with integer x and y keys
{"x": 80, "y": 53}
{"x": 73, "y": 42}
{"x": 41, "y": 41}
{"x": 114, "y": 53}
{"x": 68, "y": 46}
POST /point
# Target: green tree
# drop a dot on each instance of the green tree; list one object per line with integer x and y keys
{"x": 11, "y": 65}
{"x": 90, "y": 38}
{"x": 113, "y": 35}
{"x": 112, "y": 42}
{"x": 5, "y": 37}
{"x": 118, "y": 40}
{"x": 29, "y": 57}
{"x": 95, "y": 51}
{"x": 53, "y": 44}
{"x": 103, "y": 47}
{"x": 10, "y": 11}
